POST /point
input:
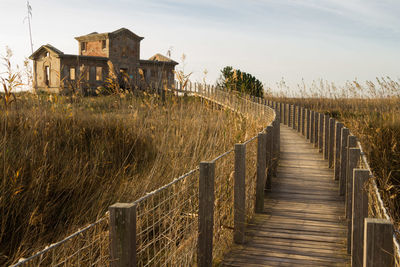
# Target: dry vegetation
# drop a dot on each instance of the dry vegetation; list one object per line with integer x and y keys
{"x": 372, "y": 112}
{"x": 64, "y": 162}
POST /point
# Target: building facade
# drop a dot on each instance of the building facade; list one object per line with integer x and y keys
{"x": 114, "y": 55}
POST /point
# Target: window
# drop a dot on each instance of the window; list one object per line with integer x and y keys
{"x": 103, "y": 44}
{"x": 46, "y": 54}
{"x": 47, "y": 75}
{"x": 83, "y": 46}
{"x": 99, "y": 73}
{"x": 72, "y": 74}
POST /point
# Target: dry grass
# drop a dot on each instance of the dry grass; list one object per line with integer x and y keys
{"x": 66, "y": 160}
{"x": 372, "y": 112}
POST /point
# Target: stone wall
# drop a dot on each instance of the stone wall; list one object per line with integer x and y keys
{"x": 86, "y": 76}
{"x": 156, "y": 73}
{"x": 95, "y": 49}
{"x": 50, "y": 60}
{"x": 124, "y": 53}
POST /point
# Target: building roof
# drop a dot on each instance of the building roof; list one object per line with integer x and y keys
{"x": 98, "y": 36}
{"x": 47, "y": 47}
{"x": 158, "y": 59}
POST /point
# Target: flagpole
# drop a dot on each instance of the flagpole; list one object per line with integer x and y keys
{"x": 29, "y": 23}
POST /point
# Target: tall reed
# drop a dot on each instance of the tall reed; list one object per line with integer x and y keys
{"x": 68, "y": 161}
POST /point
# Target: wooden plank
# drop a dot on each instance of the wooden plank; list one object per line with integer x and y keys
{"x": 303, "y": 222}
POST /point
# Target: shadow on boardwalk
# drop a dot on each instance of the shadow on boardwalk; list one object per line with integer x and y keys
{"x": 303, "y": 219}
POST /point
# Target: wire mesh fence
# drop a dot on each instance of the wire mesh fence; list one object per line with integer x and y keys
{"x": 376, "y": 206}
{"x": 167, "y": 224}
{"x": 167, "y": 219}
{"x": 223, "y": 204}
{"x": 86, "y": 247}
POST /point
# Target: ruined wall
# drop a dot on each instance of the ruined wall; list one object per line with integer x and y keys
{"x": 124, "y": 53}
{"x": 154, "y": 73}
{"x": 85, "y": 73}
{"x": 95, "y": 48}
{"x": 53, "y": 63}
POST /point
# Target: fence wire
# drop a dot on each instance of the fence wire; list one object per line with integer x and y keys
{"x": 86, "y": 247}
{"x": 223, "y": 205}
{"x": 376, "y": 206}
{"x": 167, "y": 224}
{"x": 167, "y": 218}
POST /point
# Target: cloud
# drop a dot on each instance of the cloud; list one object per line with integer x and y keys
{"x": 374, "y": 13}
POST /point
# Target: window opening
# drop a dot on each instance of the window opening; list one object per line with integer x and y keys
{"x": 47, "y": 75}
{"x": 99, "y": 72}
{"x": 72, "y": 74}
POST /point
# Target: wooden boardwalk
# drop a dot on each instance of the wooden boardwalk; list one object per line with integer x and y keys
{"x": 303, "y": 219}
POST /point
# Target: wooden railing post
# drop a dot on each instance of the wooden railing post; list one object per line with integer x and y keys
{"x": 289, "y": 115}
{"x": 312, "y": 125}
{"x": 321, "y": 132}
{"x": 316, "y": 128}
{"x": 308, "y": 124}
{"x": 303, "y": 117}
{"x": 239, "y": 193}
{"x": 338, "y": 138}
{"x": 353, "y": 158}
{"x": 360, "y": 212}
{"x": 331, "y": 146}
{"x": 285, "y": 115}
{"x": 298, "y": 119}
{"x": 343, "y": 161}
{"x": 353, "y": 161}
{"x": 206, "y": 214}
{"x": 378, "y": 243}
{"x": 123, "y": 235}
{"x": 326, "y": 136}
{"x": 269, "y": 155}
{"x": 261, "y": 163}
{"x": 294, "y": 117}
{"x": 275, "y": 145}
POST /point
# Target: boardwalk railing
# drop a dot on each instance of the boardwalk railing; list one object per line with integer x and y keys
{"x": 371, "y": 240}
{"x": 193, "y": 219}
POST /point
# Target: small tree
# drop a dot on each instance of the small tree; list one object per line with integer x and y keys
{"x": 235, "y": 79}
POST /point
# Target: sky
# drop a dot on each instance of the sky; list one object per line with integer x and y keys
{"x": 294, "y": 40}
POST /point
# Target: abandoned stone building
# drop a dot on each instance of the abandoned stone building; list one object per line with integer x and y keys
{"x": 101, "y": 55}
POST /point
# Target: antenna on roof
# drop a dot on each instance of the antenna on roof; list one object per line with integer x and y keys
{"x": 29, "y": 8}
